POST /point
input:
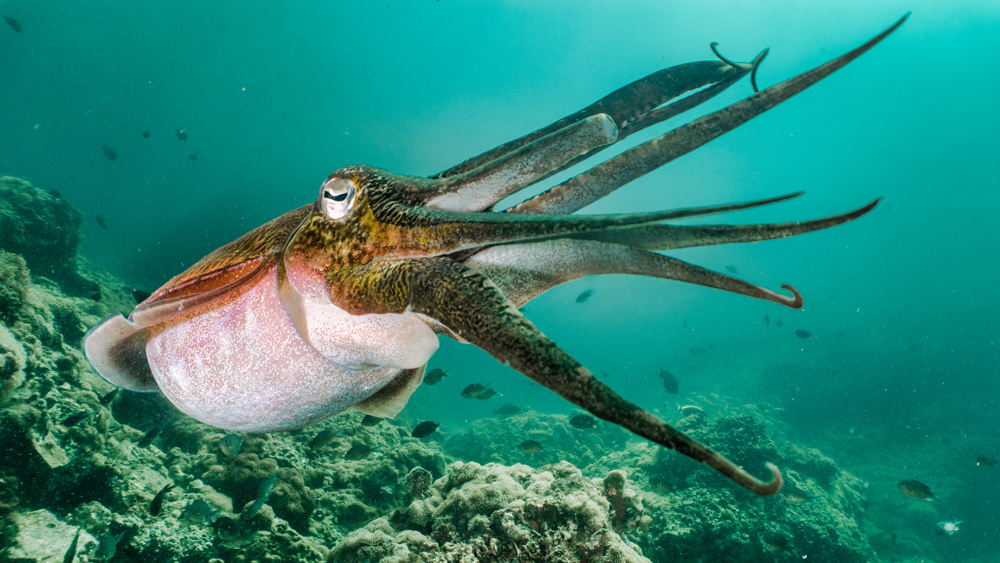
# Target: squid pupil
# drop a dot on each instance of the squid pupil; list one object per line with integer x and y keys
{"x": 337, "y": 197}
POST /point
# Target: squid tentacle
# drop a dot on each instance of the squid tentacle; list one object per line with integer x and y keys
{"x": 670, "y": 237}
{"x": 601, "y": 180}
{"x": 432, "y": 232}
{"x": 754, "y": 65}
{"x": 479, "y": 189}
{"x": 625, "y": 105}
{"x": 472, "y": 306}
{"x": 660, "y": 114}
{"x": 525, "y": 271}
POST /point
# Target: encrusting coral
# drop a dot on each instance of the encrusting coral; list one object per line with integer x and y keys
{"x": 497, "y": 513}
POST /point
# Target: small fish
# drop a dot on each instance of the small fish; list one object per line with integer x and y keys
{"x": 669, "y": 381}
{"x": 240, "y": 542}
{"x": 803, "y": 333}
{"x": 986, "y": 460}
{"x": 697, "y": 350}
{"x": 692, "y": 410}
{"x": 605, "y": 375}
{"x": 155, "y": 431}
{"x": 192, "y": 156}
{"x": 435, "y": 376}
{"x": 157, "y": 502}
{"x": 263, "y": 494}
{"x": 12, "y": 23}
{"x": 230, "y": 445}
{"x": 181, "y": 134}
{"x": 732, "y": 269}
{"x": 140, "y": 295}
{"x": 775, "y": 541}
{"x": 227, "y": 528}
{"x": 199, "y": 512}
{"x": 507, "y": 409}
{"x": 71, "y": 552}
{"x": 424, "y": 429}
{"x": 231, "y": 535}
{"x": 916, "y": 489}
{"x": 146, "y": 134}
{"x": 946, "y": 528}
{"x": 530, "y": 447}
{"x": 253, "y": 509}
{"x": 767, "y": 320}
{"x": 55, "y": 193}
{"x": 101, "y": 222}
{"x": 487, "y": 394}
{"x": 358, "y": 451}
{"x": 79, "y": 417}
{"x": 323, "y": 438}
{"x": 473, "y": 391}
{"x": 583, "y": 421}
{"x": 779, "y": 323}
{"x": 584, "y": 296}
{"x": 109, "y": 152}
{"x": 266, "y": 486}
{"x": 370, "y": 420}
{"x": 793, "y": 494}
{"x": 110, "y": 396}
{"x": 106, "y": 549}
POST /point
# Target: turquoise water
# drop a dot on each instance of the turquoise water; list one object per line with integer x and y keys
{"x": 900, "y": 375}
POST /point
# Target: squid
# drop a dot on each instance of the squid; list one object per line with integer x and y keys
{"x": 340, "y": 303}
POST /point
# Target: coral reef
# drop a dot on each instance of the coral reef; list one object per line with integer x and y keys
{"x": 43, "y": 228}
{"x": 497, "y": 513}
{"x": 497, "y": 440}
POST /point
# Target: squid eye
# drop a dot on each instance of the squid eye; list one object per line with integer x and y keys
{"x": 337, "y": 197}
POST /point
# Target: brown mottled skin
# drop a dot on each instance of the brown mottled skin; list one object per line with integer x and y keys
{"x": 234, "y": 260}
{"x": 390, "y": 253}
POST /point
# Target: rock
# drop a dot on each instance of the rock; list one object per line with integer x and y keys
{"x": 41, "y": 536}
{"x": 12, "y": 362}
{"x": 45, "y": 230}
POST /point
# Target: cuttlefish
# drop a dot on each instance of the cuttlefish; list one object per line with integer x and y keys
{"x": 339, "y": 304}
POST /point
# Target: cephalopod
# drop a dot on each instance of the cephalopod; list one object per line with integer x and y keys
{"x": 338, "y": 304}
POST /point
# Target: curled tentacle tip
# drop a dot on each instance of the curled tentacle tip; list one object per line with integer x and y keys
{"x": 755, "y": 64}
{"x": 796, "y": 301}
{"x": 776, "y": 481}
{"x": 715, "y": 49}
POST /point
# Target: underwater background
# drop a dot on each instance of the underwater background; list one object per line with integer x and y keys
{"x": 896, "y": 379}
